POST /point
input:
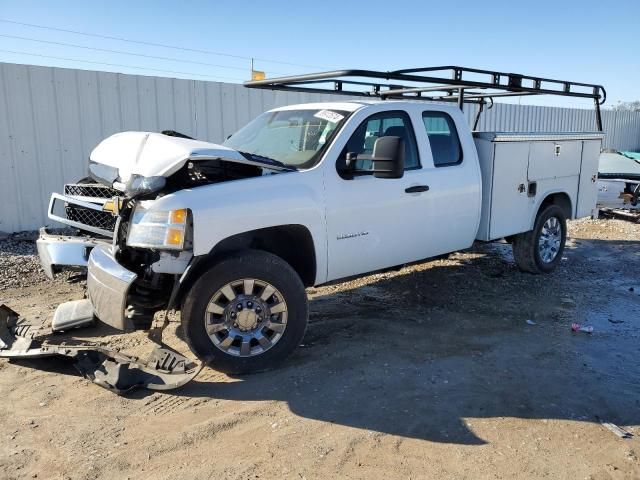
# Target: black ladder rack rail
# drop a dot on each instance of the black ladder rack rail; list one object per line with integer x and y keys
{"x": 448, "y": 83}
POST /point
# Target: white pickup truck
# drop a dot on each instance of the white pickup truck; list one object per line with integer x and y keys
{"x": 303, "y": 195}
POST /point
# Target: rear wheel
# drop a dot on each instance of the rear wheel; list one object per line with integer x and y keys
{"x": 246, "y": 314}
{"x": 540, "y": 250}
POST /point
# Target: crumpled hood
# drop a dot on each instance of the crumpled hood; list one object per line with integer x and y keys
{"x": 153, "y": 154}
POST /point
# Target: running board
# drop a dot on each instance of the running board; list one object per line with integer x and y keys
{"x": 165, "y": 369}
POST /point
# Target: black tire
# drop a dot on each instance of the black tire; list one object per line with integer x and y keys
{"x": 525, "y": 245}
{"x": 254, "y": 264}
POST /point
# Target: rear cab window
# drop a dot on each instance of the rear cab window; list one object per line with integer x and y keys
{"x": 443, "y": 138}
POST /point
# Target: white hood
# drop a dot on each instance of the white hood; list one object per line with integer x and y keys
{"x": 154, "y": 154}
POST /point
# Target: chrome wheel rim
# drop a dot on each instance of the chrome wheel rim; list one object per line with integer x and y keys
{"x": 246, "y": 317}
{"x": 550, "y": 240}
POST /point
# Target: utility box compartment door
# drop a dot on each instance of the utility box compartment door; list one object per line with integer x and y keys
{"x": 510, "y": 204}
{"x": 554, "y": 159}
{"x": 588, "y": 186}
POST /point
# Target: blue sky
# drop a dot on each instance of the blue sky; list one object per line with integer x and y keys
{"x": 572, "y": 40}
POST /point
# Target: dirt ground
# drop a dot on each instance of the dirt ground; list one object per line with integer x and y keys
{"x": 431, "y": 371}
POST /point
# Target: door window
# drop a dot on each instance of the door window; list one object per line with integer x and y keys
{"x": 395, "y": 123}
{"x": 443, "y": 138}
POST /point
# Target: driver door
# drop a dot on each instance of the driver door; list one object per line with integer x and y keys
{"x": 374, "y": 223}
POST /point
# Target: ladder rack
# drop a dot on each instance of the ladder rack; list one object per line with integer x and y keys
{"x": 447, "y": 83}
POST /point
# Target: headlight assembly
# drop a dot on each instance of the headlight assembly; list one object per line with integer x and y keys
{"x": 139, "y": 185}
{"x": 164, "y": 229}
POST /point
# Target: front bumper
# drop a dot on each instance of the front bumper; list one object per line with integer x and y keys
{"x": 64, "y": 251}
{"x": 108, "y": 285}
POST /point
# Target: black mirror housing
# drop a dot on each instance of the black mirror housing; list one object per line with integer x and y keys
{"x": 388, "y": 157}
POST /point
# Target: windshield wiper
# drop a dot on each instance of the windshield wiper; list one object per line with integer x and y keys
{"x": 267, "y": 160}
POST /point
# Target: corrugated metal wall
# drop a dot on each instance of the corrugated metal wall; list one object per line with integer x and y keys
{"x": 51, "y": 118}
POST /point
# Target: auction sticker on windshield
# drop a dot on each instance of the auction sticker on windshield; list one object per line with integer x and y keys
{"x": 329, "y": 116}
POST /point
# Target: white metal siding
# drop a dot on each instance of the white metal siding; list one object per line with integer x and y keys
{"x": 51, "y": 118}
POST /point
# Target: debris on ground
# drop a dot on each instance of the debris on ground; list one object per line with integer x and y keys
{"x": 620, "y": 432}
{"x": 620, "y": 213}
{"x": 165, "y": 369}
{"x": 576, "y": 327}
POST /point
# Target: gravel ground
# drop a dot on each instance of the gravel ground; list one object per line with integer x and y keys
{"x": 19, "y": 264}
{"x": 461, "y": 367}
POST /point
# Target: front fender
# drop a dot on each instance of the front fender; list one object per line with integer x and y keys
{"x": 225, "y": 209}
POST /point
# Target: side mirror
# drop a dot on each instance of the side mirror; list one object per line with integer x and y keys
{"x": 346, "y": 165}
{"x": 388, "y": 157}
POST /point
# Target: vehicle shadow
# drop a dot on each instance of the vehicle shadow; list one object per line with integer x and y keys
{"x": 421, "y": 353}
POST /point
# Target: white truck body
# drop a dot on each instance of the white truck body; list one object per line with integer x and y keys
{"x": 352, "y": 222}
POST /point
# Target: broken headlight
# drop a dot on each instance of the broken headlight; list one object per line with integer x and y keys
{"x": 164, "y": 229}
{"x": 139, "y": 185}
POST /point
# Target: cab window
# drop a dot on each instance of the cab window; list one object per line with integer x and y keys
{"x": 443, "y": 138}
{"x": 394, "y": 123}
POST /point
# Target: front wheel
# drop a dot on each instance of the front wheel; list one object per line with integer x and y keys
{"x": 540, "y": 250}
{"x": 246, "y": 314}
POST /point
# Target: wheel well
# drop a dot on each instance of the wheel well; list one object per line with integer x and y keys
{"x": 562, "y": 200}
{"x": 292, "y": 243}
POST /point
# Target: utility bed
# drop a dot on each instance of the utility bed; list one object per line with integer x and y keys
{"x": 519, "y": 170}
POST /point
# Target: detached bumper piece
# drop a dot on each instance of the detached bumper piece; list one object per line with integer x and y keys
{"x": 57, "y": 251}
{"x": 165, "y": 369}
{"x": 108, "y": 285}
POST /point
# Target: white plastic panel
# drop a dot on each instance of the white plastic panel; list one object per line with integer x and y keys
{"x": 588, "y": 186}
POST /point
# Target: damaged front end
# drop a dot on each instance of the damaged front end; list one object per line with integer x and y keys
{"x": 82, "y": 208}
{"x": 136, "y": 255}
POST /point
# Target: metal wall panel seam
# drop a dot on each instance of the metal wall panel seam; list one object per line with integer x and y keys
{"x": 12, "y": 152}
{"x": 36, "y": 149}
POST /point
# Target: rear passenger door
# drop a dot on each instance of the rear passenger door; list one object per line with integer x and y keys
{"x": 452, "y": 172}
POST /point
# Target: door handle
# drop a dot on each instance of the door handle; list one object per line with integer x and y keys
{"x": 417, "y": 189}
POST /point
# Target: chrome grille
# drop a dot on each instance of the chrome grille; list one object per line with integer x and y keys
{"x": 94, "y": 190}
{"x": 90, "y": 217}
{"x": 86, "y": 216}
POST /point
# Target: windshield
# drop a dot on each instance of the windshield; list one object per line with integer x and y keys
{"x": 293, "y": 137}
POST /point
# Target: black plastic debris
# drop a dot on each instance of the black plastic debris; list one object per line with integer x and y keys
{"x": 165, "y": 369}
